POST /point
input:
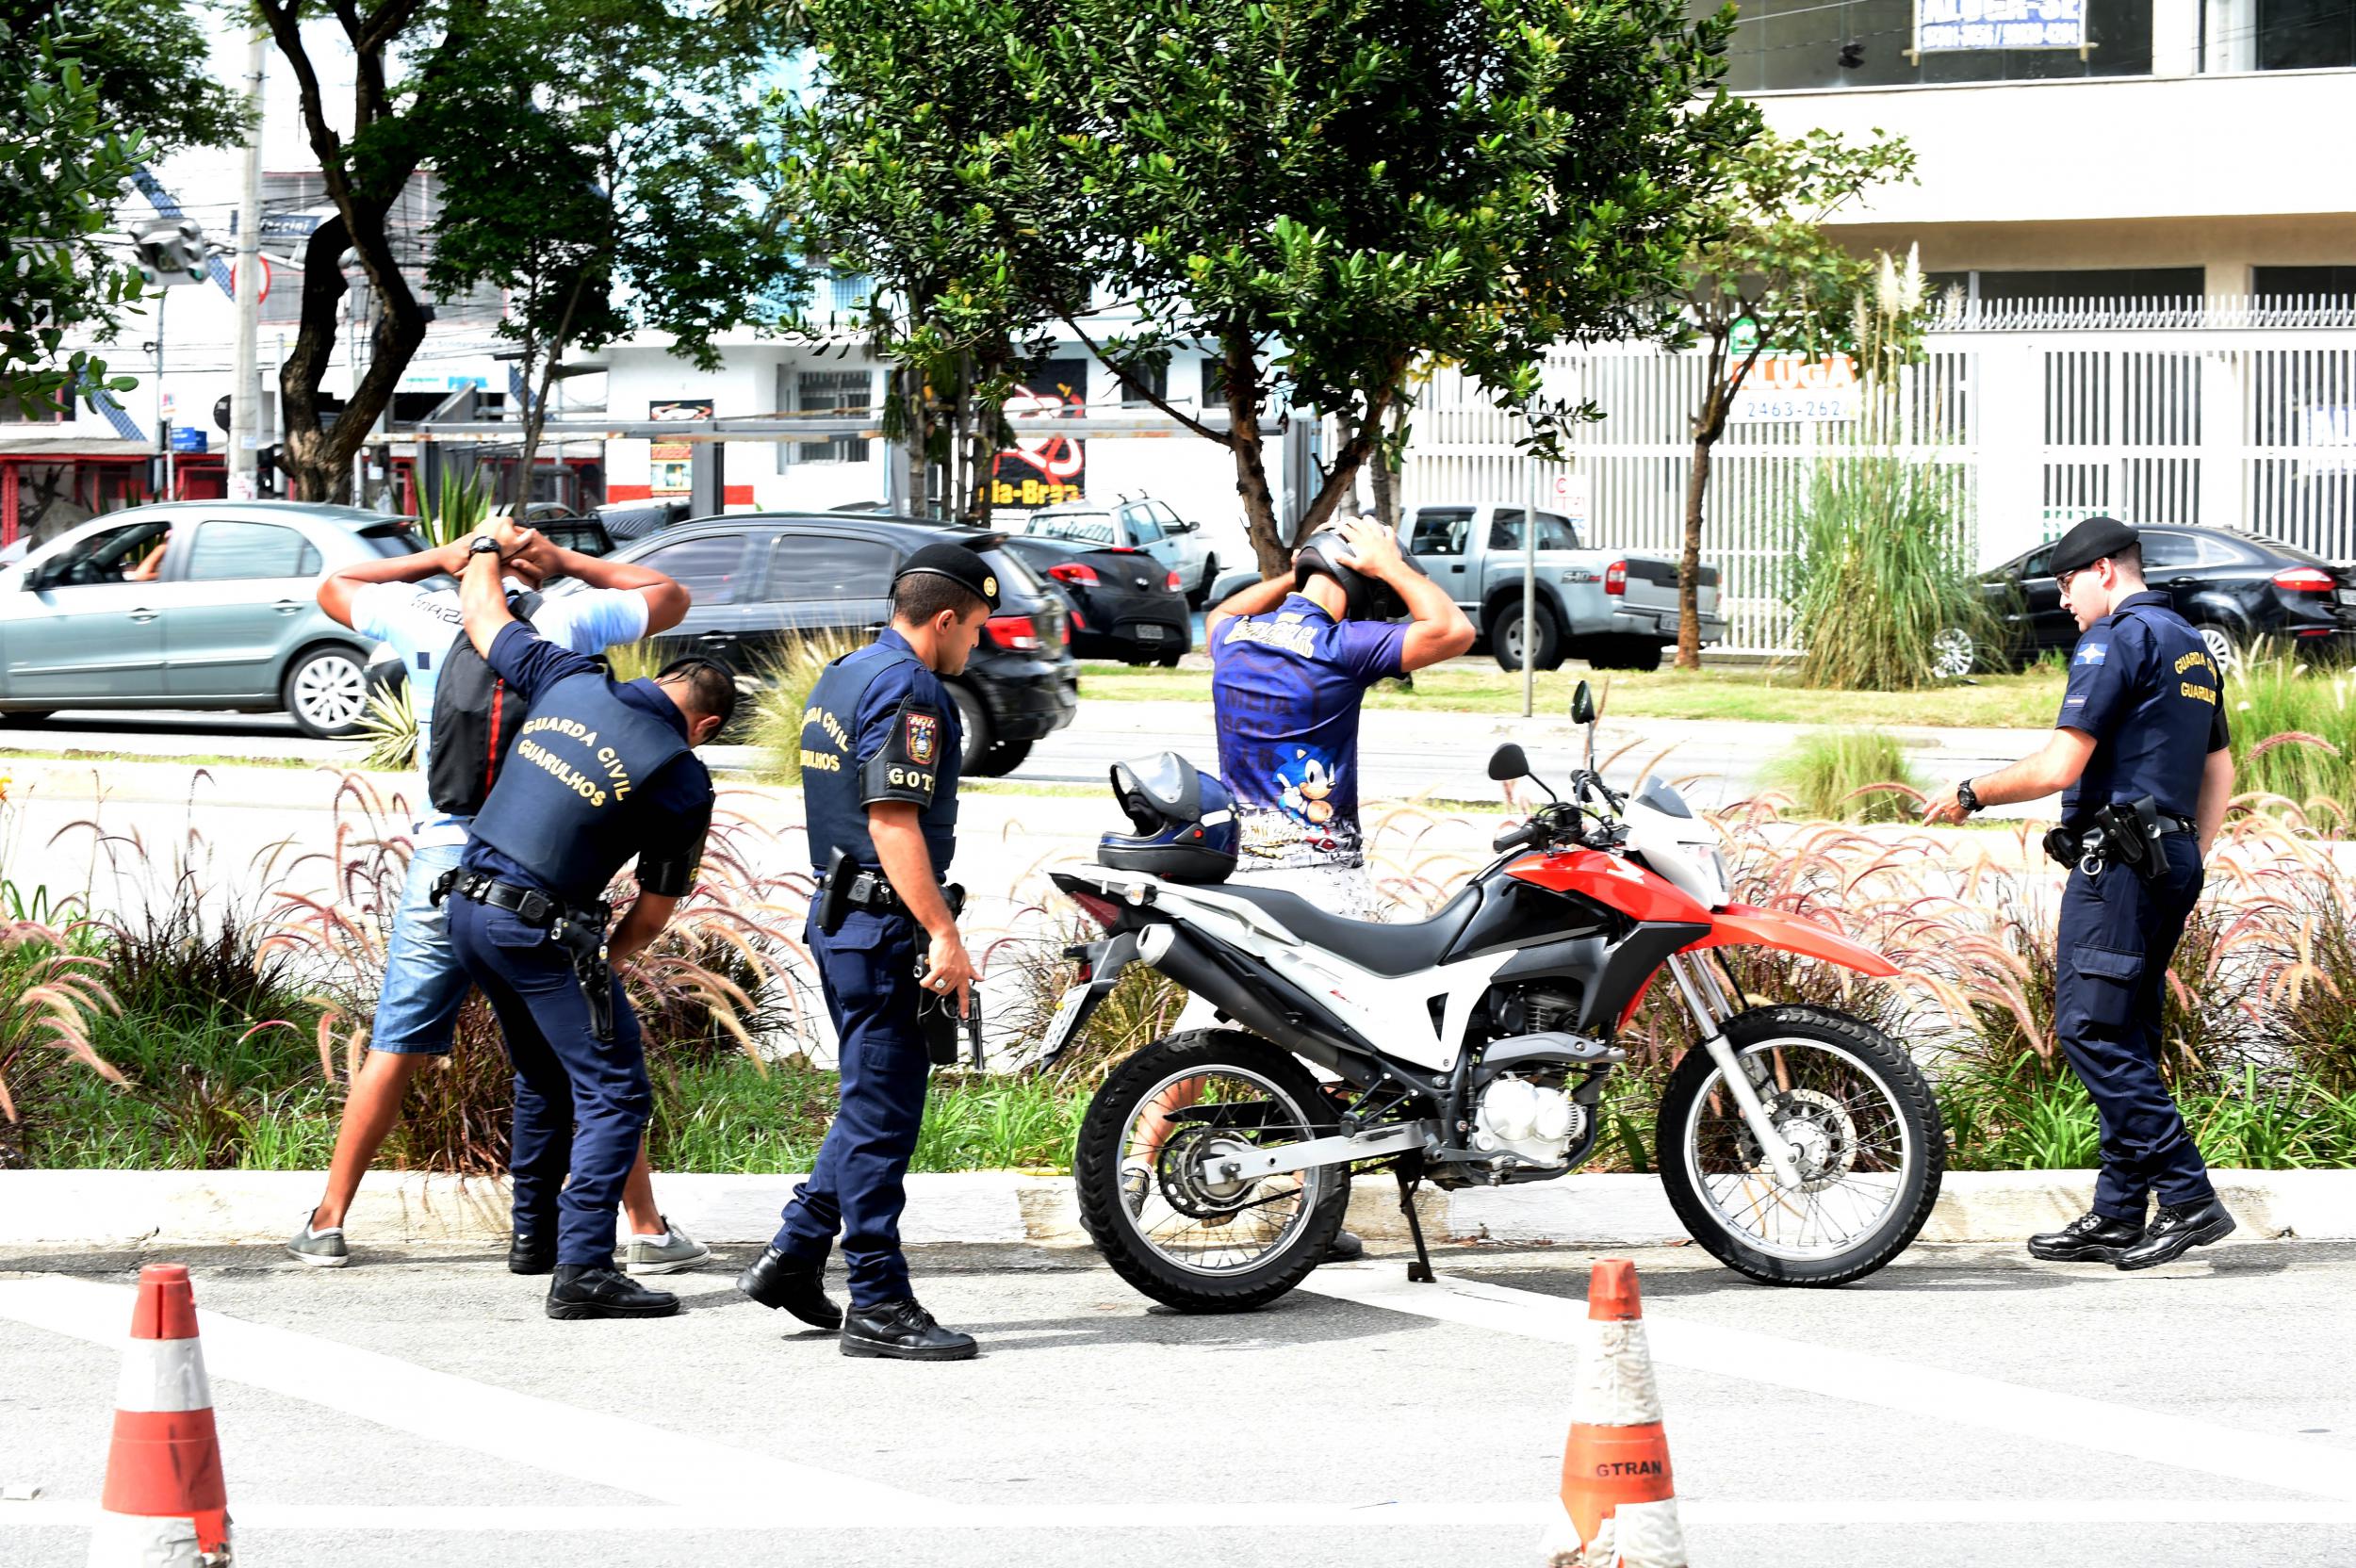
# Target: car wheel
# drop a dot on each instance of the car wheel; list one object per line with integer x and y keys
{"x": 1505, "y": 637}
{"x": 974, "y": 721}
{"x": 1954, "y": 654}
{"x": 2223, "y": 648}
{"x": 326, "y": 690}
{"x": 1201, "y": 594}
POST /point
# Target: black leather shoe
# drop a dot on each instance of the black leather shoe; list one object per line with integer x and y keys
{"x": 531, "y": 1254}
{"x": 1345, "y": 1247}
{"x": 2088, "y": 1238}
{"x": 902, "y": 1330}
{"x": 583, "y": 1290}
{"x": 2179, "y": 1229}
{"x": 776, "y": 1283}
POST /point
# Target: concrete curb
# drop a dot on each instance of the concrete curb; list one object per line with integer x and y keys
{"x": 133, "y": 1208}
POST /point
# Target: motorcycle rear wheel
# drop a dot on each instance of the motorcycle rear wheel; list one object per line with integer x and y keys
{"x": 1185, "y": 1241}
{"x": 1862, "y": 1124}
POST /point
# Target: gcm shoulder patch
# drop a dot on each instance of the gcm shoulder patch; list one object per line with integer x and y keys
{"x": 922, "y": 739}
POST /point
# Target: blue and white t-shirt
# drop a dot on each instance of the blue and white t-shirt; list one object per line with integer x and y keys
{"x": 421, "y": 623}
{"x": 1286, "y": 687}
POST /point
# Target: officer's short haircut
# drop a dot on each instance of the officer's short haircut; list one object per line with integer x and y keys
{"x": 920, "y": 596}
{"x": 2130, "y": 558}
{"x": 710, "y": 689}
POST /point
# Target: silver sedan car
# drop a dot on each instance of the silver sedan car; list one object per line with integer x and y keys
{"x": 193, "y": 604}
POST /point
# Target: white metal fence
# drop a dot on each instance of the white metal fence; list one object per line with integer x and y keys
{"x": 2230, "y": 413}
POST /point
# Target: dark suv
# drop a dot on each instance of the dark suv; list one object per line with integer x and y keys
{"x": 760, "y": 580}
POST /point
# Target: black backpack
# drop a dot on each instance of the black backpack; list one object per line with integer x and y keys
{"x": 476, "y": 719}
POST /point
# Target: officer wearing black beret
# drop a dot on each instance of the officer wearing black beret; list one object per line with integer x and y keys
{"x": 880, "y": 749}
{"x": 2140, "y": 752}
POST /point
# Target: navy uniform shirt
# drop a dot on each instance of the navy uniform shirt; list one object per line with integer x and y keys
{"x": 2143, "y": 685}
{"x": 677, "y": 802}
{"x": 879, "y": 726}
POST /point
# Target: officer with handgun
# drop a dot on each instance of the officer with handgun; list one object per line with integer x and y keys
{"x": 603, "y": 770}
{"x": 2141, "y": 752}
{"x": 880, "y": 749}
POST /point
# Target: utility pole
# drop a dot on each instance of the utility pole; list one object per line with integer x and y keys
{"x": 163, "y": 400}
{"x": 245, "y": 396}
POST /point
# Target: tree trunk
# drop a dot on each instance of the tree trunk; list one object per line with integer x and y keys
{"x": 1690, "y": 559}
{"x": 1268, "y": 545}
{"x": 919, "y": 439}
{"x": 1384, "y": 481}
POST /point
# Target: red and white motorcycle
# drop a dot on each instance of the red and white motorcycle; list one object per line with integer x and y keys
{"x": 1800, "y": 1145}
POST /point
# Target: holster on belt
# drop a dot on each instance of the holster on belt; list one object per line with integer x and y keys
{"x": 2131, "y": 837}
{"x": 585, "y": 946}
{"x": 834, "y": 893}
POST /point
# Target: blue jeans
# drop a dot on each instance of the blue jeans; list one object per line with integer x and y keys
{"x": 856, "y": 1186}
{"x": 581, "y": 1104}
{"x": 424, "y": 983}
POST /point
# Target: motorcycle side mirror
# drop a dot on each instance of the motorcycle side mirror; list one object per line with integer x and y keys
{"x": 1507, "y": 762}
{"x": 1582, "y": 704}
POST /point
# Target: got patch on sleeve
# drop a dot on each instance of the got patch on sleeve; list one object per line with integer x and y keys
{"x": 906, "y": 766}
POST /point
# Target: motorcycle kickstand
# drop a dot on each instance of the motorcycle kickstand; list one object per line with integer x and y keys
{"x": 1419, "y": 1272}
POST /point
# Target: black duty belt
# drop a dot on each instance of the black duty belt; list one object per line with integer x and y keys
{"x": 845, "y": 887}
{"x": 2124, "y": 833}
{"x": 578, "y": 932}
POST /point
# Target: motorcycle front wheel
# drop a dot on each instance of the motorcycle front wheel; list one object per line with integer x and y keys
{"x": 1864, "y": 1131}
{"x": 1151, "y": 1193}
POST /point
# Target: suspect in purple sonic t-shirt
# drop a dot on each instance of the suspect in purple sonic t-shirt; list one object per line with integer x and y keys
{"x": 1285, "y": 687}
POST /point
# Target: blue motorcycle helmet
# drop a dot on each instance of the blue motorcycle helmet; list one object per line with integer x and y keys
{"x": 1185, "y": 820}
{"x": 1327, "y": 553}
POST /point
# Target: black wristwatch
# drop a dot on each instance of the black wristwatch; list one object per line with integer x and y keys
{"x": 1967, "y": 797}
{"x": 483, "y": 545}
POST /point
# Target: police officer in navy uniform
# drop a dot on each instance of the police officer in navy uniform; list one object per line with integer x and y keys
{"x": 2140, "y": 751}
{"x": 880, "y": 749}
{"x": 602, "y": 771}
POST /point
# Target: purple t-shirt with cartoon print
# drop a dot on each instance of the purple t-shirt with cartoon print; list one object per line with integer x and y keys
{"x": 1286, "y": 687}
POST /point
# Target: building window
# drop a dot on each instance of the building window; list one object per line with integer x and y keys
{"x": 1150, "y": 378}
{"x": 2285, "y": 286}
{"x": 1214, "y": 394}
{"x": 2303, "y": 35}
{"x": 2134, "y": 286}
{"x": 827, "y": 392}
{"x": 1799, "y": 45}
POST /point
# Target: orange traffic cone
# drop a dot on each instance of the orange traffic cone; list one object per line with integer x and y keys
{"x": 165, "y": 1505}
{"x": 1619, "y": 1505}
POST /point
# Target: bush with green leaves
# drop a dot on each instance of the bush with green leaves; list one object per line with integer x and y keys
{"x": 1849, "y": 776}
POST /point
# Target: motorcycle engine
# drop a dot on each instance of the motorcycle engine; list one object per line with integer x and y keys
{"x": 1536, "y": 1123}
{"x": 1531, "y": 1009}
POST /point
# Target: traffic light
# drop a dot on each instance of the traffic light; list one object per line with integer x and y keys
{"x": 171, "y": 251}
{"x": 265, "y": 472}
{"x": 1852, "y": 55}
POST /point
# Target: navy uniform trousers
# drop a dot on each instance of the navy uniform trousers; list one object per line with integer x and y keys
{"x": 581, "y": 1104}
{"x": 857, "y": 1185}
{"x": 2117, "y": 937}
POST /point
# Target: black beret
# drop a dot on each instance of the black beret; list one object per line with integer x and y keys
{"x": 2089, "y": 542}
{"x": 960, "y": 565}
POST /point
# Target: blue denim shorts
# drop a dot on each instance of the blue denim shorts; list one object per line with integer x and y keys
{"x": 424, "y": 983}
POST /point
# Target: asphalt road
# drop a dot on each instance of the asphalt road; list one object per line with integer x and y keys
{"x": 1962, "y": 1408}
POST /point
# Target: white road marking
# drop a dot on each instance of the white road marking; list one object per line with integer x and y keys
{"x": 2154, "y": 1437}
{"x": 743, "y": 1516}
{"x": 628, "y": 1455}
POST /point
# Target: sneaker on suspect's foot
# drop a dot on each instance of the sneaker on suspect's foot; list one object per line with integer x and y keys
{"x": 320, "y": 1248}
{"x": 667, "y": 1253}
{"x": 2177, "y": 1229}
{"x": 2088, "y": 1238}
{"x": 581, "y": 1291}
{"x": 903, "y": 1331}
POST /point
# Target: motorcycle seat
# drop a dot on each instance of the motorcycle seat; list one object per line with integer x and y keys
{"x": 1380, "y": 947}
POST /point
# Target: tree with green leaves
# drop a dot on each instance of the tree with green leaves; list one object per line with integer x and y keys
{"x": 912, "y": 158}
{"x": 1768, "y": 270}
{"x": 425, "y": 76}
{"x": 1325, "y": 191}
{"x": 90, "y": 92}
{"x": 627, "y": 201}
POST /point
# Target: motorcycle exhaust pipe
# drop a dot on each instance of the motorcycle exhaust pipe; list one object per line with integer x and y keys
{"x": 1187, "y": 960}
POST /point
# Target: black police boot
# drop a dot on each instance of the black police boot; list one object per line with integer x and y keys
{"x": 1345, "y": 1247}
{"x": 2179, "y": 1229}
{"x": 2088, "y": 1238}
{"x": 774, "y": 1282}
{"x": 532, "y": 1252}
{"x": 584, "y": 1290}
{"x": 902, "y": 1330}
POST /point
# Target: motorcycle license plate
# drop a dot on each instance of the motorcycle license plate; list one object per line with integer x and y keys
{"x": 1067, "y": 1020}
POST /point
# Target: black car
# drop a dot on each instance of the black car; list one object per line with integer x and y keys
{"x": 2237, "y": 588}
{"x": 1126, "y": 605}
{"x": 760, "y": 580}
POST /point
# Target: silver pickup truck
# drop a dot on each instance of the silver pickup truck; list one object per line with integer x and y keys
{"x": 1615, "y": 609}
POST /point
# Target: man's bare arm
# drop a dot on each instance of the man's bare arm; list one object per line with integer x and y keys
{"x": 2217, "y": 791}
{"x": 667, "y": 602}
{"x": 641, "y": 923}
{"x": 909, "y": 864}
{"x": 483, "y": 602}
{"x": 2056, "y": 765}
{"x": 1258, "y": 599}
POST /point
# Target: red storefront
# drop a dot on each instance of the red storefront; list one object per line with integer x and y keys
{"x": 50, "y": 483}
